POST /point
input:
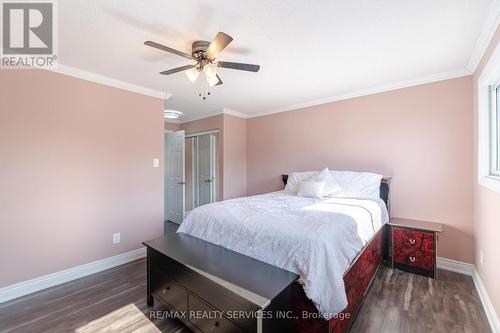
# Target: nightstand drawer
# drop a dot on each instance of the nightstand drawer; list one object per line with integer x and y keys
{"x": 414, "y": 248}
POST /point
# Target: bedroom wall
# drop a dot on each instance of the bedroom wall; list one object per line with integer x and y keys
{"x": 172, "y": 126}
{"x": 75, "y": 167}
{"x": 486, "y": 207}
{"x": 235, "y": 157}
{"x": 420, "y": 135}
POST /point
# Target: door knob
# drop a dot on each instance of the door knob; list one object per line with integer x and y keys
{"x": 181, "y": 183}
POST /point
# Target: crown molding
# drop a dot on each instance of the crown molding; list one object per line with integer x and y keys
{"x": 173, "y": 121}
{"x": 487, "y": 32}
{"x": 359, "y": 93}
{"x": 368, "y": 91}
{"x": 216, "y": 112}
{"x": 235, "y": 113}
{"x": 108, "y": 81}
{"x": 186, "y": 118}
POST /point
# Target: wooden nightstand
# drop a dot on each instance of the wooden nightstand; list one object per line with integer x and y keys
{"x": 413, "y": 246}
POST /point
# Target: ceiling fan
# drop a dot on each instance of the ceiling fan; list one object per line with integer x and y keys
{"x": 204, "y": 54}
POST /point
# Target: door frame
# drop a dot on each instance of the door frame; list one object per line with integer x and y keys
{"x": 214, "y": 131}
{"x": 165, "y": 173}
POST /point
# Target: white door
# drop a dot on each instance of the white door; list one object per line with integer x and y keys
{"x": 206, "y": 169}
{"x": 174, "y": 176}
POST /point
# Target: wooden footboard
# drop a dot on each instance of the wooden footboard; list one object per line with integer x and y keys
{"x": 357, "y": 279}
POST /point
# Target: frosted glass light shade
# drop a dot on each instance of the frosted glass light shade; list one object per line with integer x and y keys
{"x": 192, "y": 74}
{"x": 212, "y": 81}
{"x": 210, "y": 70}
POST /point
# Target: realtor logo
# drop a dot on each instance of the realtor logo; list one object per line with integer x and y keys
{"x": 28, "y": 29}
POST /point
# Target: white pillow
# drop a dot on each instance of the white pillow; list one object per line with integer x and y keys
{"x": 364, "y": 185}
{"x": 311, "y": 189}
{"x": 294, "y": 179}
{"x": 331, "y": 185}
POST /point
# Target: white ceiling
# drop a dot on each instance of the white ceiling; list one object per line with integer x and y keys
{"x": 308, "y": 50}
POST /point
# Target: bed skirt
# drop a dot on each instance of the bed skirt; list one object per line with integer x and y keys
{"x": 357, "y": 279}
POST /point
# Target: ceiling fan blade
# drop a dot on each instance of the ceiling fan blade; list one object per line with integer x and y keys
{"x": 167, "y": 49}
{"x": 218, "y": 44}
{"x": 175, "y": 70}
{"x": 239, "y": 66}
{"x": 220, "y": 81}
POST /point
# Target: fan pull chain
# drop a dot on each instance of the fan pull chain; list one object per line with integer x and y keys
{"x": 205, "y": 88}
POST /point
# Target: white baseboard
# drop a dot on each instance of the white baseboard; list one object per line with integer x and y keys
{"x": 487, "y": 305}
{"x": 43, "y": 282}
{"x": 470, "y": 269}
{"x": 455, "y": 266}
{"x": 54, "y": 279}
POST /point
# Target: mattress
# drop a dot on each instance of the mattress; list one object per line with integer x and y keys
{"x": 315, "y": 238}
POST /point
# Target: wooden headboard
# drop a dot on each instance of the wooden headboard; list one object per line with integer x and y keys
{"x": 385, "y": 190}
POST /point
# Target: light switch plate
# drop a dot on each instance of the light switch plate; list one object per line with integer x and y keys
{"x": 156, "y": 162}
{"x": 116, "y": 238}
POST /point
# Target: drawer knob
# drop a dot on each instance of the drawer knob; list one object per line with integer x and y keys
{"x": 213, "y": 328}
{"x": 412, "y": 258}
{"x": 165, "y": 290}
{"x": 412, "y": 241}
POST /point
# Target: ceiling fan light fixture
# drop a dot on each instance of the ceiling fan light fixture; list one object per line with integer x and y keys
{"x": 172, "y": 114}
{"x": 212, "y": 81}
{"x": 210, "y": 70}
{"x": 192, "y": 74}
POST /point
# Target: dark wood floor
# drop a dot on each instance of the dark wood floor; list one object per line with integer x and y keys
{"x": 109, "y": 301}
{"x": 170, "y": 226}
{"x": 404, "y": 302}
{"x": 114, "y": 301}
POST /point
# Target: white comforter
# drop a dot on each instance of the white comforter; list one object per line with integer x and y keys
{"x": 316, "y": 238}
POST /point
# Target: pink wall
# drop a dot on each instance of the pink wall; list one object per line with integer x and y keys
{"x": 172, "y": 126}
{"x": 235, "y": 157}
{"x": 486, "y": 208}
{"x": 205, "y": 124}
{"x": 419, "y": 135}
{"x": 75, "y": 167}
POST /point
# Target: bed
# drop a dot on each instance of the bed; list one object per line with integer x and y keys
{"x": 334, "y": 244}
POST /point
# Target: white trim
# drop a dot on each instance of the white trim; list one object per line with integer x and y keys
{"x": 368, "y": 91}
{"x": 470, "y": 270}
{"x": 108, "y": 81}
{"x": 491, "y": 182}
{"x": 173, "y": 121}
{"x": 486, "y": 301}
{"x": 487, "y": 32}
{"x": 359, "y": 93}
{"x": 54, "y": 279}
{"x": 192, "y": 135}
{"x": 489, "y": 76}
{"x": 187, "y": 118}
{"x": 235, "y": 113}
{"x": 455, "y": 266}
